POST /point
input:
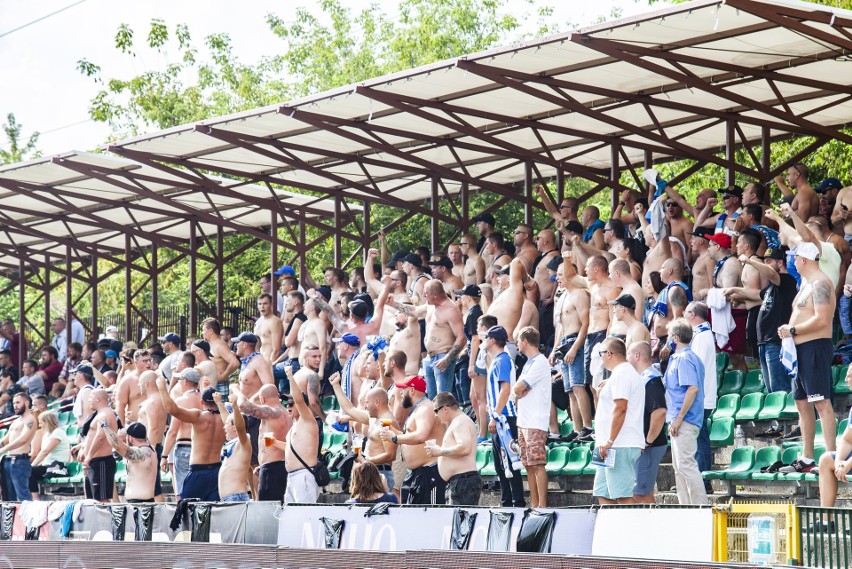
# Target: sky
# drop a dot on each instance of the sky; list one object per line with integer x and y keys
{"x": 41, "y": 42}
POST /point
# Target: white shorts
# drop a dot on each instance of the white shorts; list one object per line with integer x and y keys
{"x": 301, "y": 487}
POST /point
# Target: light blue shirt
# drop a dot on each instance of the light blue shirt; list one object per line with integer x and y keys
{"x": 685, "y": 370}
{"x": 502, "y": 370}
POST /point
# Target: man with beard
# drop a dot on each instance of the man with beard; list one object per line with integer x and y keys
{"x": 16, "y": 448}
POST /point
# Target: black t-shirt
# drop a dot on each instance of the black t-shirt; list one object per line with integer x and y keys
{"x": 655, "y": 398}
{"x": 776, "y": 309}
{"x": 470, "y": 321}
{"x": 298, "y": 316}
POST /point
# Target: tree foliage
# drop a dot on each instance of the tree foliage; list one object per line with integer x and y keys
{"x": 18, "y": 150}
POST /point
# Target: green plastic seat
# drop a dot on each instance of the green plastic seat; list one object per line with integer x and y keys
{"x": 773, "y": 405}
{"x": 336, "y": 442}
{"x": 788, "y": 455}
{"x": 721, "y": 362}
{"x": 329, "y": 403}
{"x": 839, "y": 374}
{"x": 120, "y": 471}
{"x": 578, "y": 459}
{"x": 742, "y": 460}
{"x": 561, "y": 415}
{"x": 819, "y": 435}
{"x": 489, "y": 469}
{"x": 75, "y": 473}
{"x": 812, "y": 476}
{"x": 566, "y": 427}
{"x": 726, "y": 406}
{"x": 722, "y": 432}
{"x": 732, "y": 382}
{"x": 166, "y": 476}
{"x": 750, "y": 406}
{"x": 842, "y": 426}
{"x": 764, "y": 457}
{"x": 72, "y": 431}
{"x": 557, "y": 457}
{"x": 483, "y": 455}
{"x": 66, "y": 418}
{"x": 790, "y": 411}
{"x": 753, "y": 382}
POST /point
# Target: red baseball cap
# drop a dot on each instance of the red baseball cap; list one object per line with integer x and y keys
{"x": 723, "y": 240}
{"x": 417, "y": 382}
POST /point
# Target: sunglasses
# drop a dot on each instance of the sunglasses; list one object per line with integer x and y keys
{"x": 604, "y": 352}
{"x": 438, "y": 409}
{"x": 521, "y": 233}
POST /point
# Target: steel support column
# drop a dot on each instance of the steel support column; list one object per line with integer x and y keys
{"x": 560, "y": 186}
{"x": 614, "y": 174}
{"x": 766, "y": 160}
{"x": 220, "y": 273}
{"x": 273, "y": 257}
{"x": 730, "y": 152}
{"x": 94, "y": 275}
{"x": 366, "y": 231}
{"x": 338, "y": 247}
{"x": 22, "y": 353}
{"x": 193, "y": 300}
{"x": 47, "y": 315}
{"x": 128, "y": 292}
{"x": 69, "y": 314}
{"x": 465, "y": 208}
{"x": 303, "y": 260}
{"x": 528, "y": 192}
{"x": 434, "y": 220}
{"x": 155, "y": 293}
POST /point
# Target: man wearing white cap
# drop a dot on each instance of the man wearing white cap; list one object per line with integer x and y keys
{"x": 810, "y": 328}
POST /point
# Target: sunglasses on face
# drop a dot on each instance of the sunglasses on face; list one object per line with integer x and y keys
{"x": 438, "y": 409}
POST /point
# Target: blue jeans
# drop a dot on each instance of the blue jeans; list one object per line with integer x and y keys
{"x": 181, "y": 466}
{"x": 845, "y": 317}
{"x": 16, "y": 474}
{"x": 462, "y": 381}
{"x": 280, "y": 377}
{"x": 438, "y": 381}
{"x": 775, "y": 375}
{"x": 703, "y": 453}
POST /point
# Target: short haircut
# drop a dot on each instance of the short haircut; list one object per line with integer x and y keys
{"x": 486, "y": 321}
{"x": 140, "y": 353}
{"x": 25, "y": 396}
{"x": 297, "y": 295}
{"x": 621, "y": 266}
{"x": 291, "y": 281}
{"x": 642, "y": 348}
{"x": 530, "y": 334}
{"x": 212, "y": 324}
{"x": 681, "y": 328}
{"x": 617, "y": 228}
{"x": 598, "y": 262}
{"x": 594, "y": 211}
{"x": 229, "y": 329}
{"x": 188, "y": 359}
{"x": 398, "y": 357}
{"x": 76, "y": 345}
{"x": 751, "y": 238}
{"x": 759, "y": 190}
{"x": 50, "y": 350}
{"x": 40, "y": 398}
{"x": 339, "y": 274}
{"x": 32, "y": 363}
{"x": 497, "y": 239}
{"x": 700, "y": 309}
{"x": 445, "y": 399}
{"x": 754, "y": 210}
{"x": 264, "y": 295}
{"x": 616, "y": 346}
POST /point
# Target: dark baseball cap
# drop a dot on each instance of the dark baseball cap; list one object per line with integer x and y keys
{"x": 441, "y": 261}
{"x": 359, "y": 308}
{"x": 246, "y": 337}
{"x": 469, "y": 290}
{"x": 486, "y": 217}
{"x": 703, "y": 231}
{"x": 574, "y": 227}
{"x": 207, "y": 394}
{"x": 324, "y": 291}
{"x": 170, "y": 337}
{"x": 777, "y": 253}
{"x": 204, "y": 346}
{"x": 625, "y": 300}
{"x": 498, "y": 333}
{"x": 397, "y": 257}
{"x": 414, "y": 259}
{"x": 137, "y": 431}
{"x": 732, "y": 190}
{"x": 828, "y": 184}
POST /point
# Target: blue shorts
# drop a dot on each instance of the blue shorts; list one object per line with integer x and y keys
{"x": 647, "y": 467}
{"x": 573, "y": 374}
{"x": 618, "y": 481}
{"x": 202, "y": 482}
{"x": 237, "y": 497}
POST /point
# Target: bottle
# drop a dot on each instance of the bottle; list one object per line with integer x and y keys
{"x": 739, "y": 437}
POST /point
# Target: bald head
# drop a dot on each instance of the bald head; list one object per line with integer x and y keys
{"x": 674, "y": 267}
{"x": 268, "y": 392}
{"x": 378, "y": 395}
{"x": 435, "y": 287}
{"x": 147, "y": 378}
{"x": 100, "y": 398}
{"x": 641, "y": 350}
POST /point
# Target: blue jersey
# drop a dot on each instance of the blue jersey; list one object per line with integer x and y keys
{"x": 501, "y": 370}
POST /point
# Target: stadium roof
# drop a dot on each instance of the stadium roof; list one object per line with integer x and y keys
{"x": 690, "y": 81}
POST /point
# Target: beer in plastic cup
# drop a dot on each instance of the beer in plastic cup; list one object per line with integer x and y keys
{"x": 269, "y": 439}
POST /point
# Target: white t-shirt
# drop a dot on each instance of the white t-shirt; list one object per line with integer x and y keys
{"x": 704, "y": 346}
{"x": 624, "y": 383}
{"x": 534, "y": 407}
{"x": 62, "y": 450}
{"x": 167, "y": 365}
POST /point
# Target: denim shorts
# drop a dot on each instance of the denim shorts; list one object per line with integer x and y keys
{"x": 575, "y": 373}
{"x": 237, "y": 497}
{"x": 618, "y": 481}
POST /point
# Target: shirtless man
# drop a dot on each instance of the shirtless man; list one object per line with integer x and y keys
{"x": 301, "y": 450}
{"x": 811, "y": 328}
{"x": 314, "y": 332}
{"x": 310, "y": 380}
{"x": 474, "y": 267}
{"x": 129, "y": 396}
{"x": 336, "y": 280}
{"x": 672, "y": 301}
{"x": 205, "y": 367}
{"x": 224, "y": 359}
{"x": 495, "y": 247}
{"x": 235, "y": 473}
{"x": 726, "y": 274}
{"x": 724, "y": 222}
{"x": 412, "y": 267}
{"x": 572, "y": 327}
{"x": 690, "y": 209}
{"x": 424, "y": 484}
{"x": 702, "y": 266}
{"x": 153, "y": 416}
{"x": 444, "y": 339}
{"x": 457, "y": 453}
{"x": 208, "y": 435}
{"x": 442, "y": 269}
{"x": 805, "y": 199}
{"x": 396, "y": 284}
{"x": 623, "y": 311}
{"x": 751, "y": 279}
{"x": 269, "y": 329}
{"x": 601, "y": 290}
{"x": 375, "y": 414}
{"x": 454, "y": 252}
{"x": 358, "y": 312}
{"x": 177, "y": 447}
{"x": 294, "y": 309}
{"x": 485, "y": 227}
{"x": 546, "y": 244}
{"x": 407, "y": 339}
{"x": 840, "y": 213}
{"x": 508, "y": 305}
{"x": 254, "y": 371}
{"x": 96, "y": 454}
{"x": 593, "y": 227}
{"x": 619, "y": 274}
{"x": 273, "y": 418}
{"x": 525, "y": 248}
{"x": 16, "y": 447}
{"x": 142, "y": 471}
{"x": 680, "y": 224}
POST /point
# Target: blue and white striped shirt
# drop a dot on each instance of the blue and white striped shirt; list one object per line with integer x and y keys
{"x": 501, "y": 370}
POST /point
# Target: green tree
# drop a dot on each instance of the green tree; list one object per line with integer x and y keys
{"x": 17, "y": 150}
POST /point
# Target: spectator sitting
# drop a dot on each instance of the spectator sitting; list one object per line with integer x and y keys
{"x": 368, "y": 486}
{"x": 55, "y": 451}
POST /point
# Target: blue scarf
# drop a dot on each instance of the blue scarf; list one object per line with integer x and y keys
{"x": 662, "y": 306}
{"x": 650, "y": 374}
{"x": 244, "y": 361}
{"x": 590, "y": 231}
{"x": 376, "y": 344}
{"x": 228, "y": 449}
{"x": 703, "y": 327}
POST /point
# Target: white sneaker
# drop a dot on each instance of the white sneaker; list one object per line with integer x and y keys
{"x": 651, "y": 176}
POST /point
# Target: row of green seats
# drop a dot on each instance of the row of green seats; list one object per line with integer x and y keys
{"x": 747, "y": 463}
{"x": 562, "y": 460}
{"x": 756, "y": 406}
{"x": 736, "y": 382}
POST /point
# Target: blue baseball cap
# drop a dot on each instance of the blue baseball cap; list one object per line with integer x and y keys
{"x": 285, "y": 270}
{"x": 349, "y": 338}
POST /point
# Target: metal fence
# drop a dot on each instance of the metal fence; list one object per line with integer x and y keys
{"x": 737, "y": 521}
{"x": 826, "y": 537}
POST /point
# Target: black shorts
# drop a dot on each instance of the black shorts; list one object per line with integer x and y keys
{"x": 424, "y": 486}
{"x": 272, "y": 481}
{"x": 253, "y": 430}
{"x": 100, "y": 478}
{"x": 464, "y": 489}
{"x": 202, "y": 482}
{"x": 558, "y": 395}
{"x": 813, "y": 381}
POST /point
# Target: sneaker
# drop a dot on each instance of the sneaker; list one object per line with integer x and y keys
{"x": 650, "y": 175}
{"x": 586, "y": 436}
{"x": 553, "y": 436}
{"x": 771, "y": 432}
{"x": 799, "y": 465}
{"x": 482, "y": 440}
{"x": 570, "y": 437}
{"x": 794, "y": 434}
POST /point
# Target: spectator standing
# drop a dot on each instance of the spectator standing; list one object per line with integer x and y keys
{"x": 457, "y": 453}
{"x": 654, "y": 418}
{"x": 704, "y": 345}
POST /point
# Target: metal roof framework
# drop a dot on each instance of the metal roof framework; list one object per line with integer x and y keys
{"x": 695, "y": 81}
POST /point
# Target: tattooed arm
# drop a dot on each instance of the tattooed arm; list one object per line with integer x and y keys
{"x": 262, "y": 412}
{"x": 336, "y": 321}
{"x": 315, "y": 394}
{"x": 122, "y": 448}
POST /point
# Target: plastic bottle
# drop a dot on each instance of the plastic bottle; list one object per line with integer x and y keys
{"x": 739, "y": 437}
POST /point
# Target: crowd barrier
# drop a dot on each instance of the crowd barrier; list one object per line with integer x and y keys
{"x": 764, "y": 533}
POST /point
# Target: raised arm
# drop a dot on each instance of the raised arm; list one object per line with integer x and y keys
{"x": 122, "y": 448}
{"x": 336, "y": 321}
{"x": 172, "y": 408}
{"x": 353, "y": 412}
{"x": 373, "y": 283}
{"x": 262, "y": 412}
